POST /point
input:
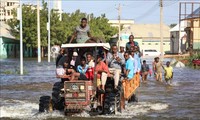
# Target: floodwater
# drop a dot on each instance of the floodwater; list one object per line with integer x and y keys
{"x": 19, "y": 95}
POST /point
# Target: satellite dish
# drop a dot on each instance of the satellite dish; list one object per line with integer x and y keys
{"x": 55, "y": 49}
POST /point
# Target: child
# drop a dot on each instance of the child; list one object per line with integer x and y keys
{"x": 168, "y": 73}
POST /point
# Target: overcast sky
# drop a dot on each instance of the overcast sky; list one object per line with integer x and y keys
{"x": 142, "y": 11}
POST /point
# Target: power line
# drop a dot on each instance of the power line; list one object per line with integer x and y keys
{"x": 166, "y": 4}
{"x": 148, "y": 12}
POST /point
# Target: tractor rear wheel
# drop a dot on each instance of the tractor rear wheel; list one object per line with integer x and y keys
{"x": 45, "y": 104}
{"x": 57, "y": 99}
{"x": 112, "y": 101}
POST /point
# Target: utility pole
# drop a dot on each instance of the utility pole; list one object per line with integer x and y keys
{"x": 119, "y": 19}
{"x": 38, "y": 30}
{"x": 21, "y": 40}
{"x": 49, "y": 12}
{"x": 161, "y": 29}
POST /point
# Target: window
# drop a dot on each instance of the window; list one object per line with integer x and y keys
{"x": 163, "y": 43}
{"x": 8, "y": 12}
{"x": 142, "y": 43}
{"x": 150, "y": 50}
{"x": 8, "y": 4}
{"x": 156, "y": 43}
{"x": 149, "y": 43}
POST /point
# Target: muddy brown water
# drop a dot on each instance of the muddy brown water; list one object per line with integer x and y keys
{"x": 19, "y": 95}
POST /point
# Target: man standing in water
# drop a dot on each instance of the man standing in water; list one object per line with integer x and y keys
{"x": 82, "y": 32}
{"x": 145, "y": 71}
{"x": 158, "y": 69}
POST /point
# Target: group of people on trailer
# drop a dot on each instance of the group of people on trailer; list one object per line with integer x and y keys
{"x": 114, "y": 63}
{"x": 81, "y": 64}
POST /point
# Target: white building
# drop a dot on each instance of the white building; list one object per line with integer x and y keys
{"x": 124, "y": 23}
{"x": 176, "y": 40}
{"x": 147, "y": 36}
{"x": 6, "y": 7}
{"x": 57, "y": 7}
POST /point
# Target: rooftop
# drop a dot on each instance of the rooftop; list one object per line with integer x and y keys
{"x": 5, "y": 30}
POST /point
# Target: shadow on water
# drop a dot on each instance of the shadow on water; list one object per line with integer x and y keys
{"x": 20, "y": 95}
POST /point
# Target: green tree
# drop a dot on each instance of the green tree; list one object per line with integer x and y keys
{"x": 172, "y": 25}
{"x": 60, "y": 30}
{"x": 101, "y": 28}
{"x": 29, "y": 24}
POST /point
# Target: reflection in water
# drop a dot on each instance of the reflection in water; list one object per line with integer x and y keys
{"x": 20, "y": 95}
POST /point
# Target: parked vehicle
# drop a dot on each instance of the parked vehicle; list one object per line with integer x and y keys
{"x": 151, "y": 52}
{"x": 77, "y": 95}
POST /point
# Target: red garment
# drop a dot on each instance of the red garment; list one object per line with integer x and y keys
{"x": 132, "y": 44}
{"x": 90, "y": 73}
{"x": 101, "y": 66}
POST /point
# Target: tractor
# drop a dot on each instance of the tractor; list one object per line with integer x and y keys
{"x": 76, "y": 96}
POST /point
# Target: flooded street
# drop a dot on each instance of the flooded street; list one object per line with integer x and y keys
{"x": 19, "y": 95}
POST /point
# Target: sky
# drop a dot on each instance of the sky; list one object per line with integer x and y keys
{"x": 141, "y": 11}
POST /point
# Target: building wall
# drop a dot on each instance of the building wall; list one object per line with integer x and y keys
{"x": 6, "y": 7}
{"x": 196, "y": 34}
{"x": 57, "y": 6}
{"x": 10, "y": 48}
{"x": 3, "y": 52}
{"x": 125, "y": 23}
{"x": 149, "y": 44}
{"x": 155, "y": 45}
{"x": 174, "y": 42}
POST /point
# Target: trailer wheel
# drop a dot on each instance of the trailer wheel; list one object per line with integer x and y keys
{"x": 57, "y": 100}
{"x": 45, "y": 104}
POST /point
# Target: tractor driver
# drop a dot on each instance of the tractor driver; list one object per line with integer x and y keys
{"x": 82, "y": 32}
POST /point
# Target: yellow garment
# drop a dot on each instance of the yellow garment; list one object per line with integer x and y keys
{"x": 168, "y": 72}
{"x": 98, "y": 82}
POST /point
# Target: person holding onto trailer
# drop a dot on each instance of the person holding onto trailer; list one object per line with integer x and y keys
{"x": 115, "y": 62}
{"x": 101, "y": 69}
{"x": 137, "y": 56}
{"x": 129, "y": 66}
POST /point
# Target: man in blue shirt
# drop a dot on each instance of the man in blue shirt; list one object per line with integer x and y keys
{"x": 129, "y": 66}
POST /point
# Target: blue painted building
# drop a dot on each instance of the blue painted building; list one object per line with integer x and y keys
{"x": 9, "y": 45}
